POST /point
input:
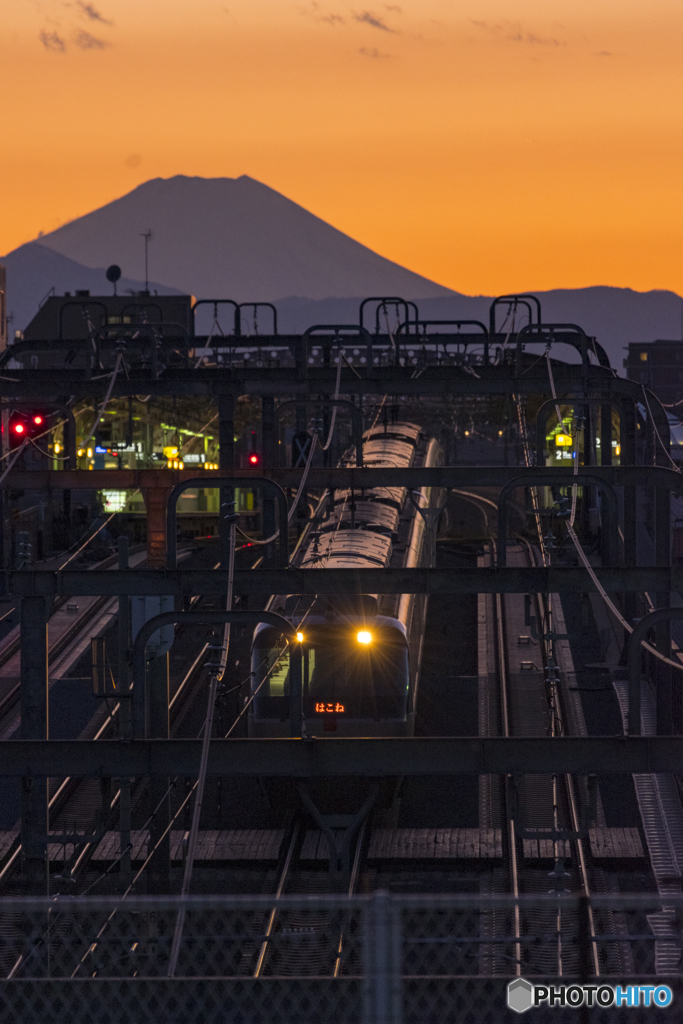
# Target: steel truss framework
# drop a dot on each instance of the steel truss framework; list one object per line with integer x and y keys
{"x": 35, "y": 758}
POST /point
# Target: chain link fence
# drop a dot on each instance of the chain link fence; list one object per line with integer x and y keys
{"x": 377, "y": 959}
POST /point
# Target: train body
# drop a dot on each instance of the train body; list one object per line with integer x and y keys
{"x": 361, "y": 655}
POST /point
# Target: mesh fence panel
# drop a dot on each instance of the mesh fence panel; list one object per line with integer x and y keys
{"x": 371, "y": 960}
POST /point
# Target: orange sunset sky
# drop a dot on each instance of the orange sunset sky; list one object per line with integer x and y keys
{"x": 492, "y": 145}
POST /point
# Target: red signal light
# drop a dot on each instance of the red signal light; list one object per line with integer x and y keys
{"x": 254, "y": 459}
{"x": 24, "y": 426}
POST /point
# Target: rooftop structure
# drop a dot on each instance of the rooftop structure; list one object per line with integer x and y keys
{"x": 659, "y": 365}
{"x": 73, "y": 316}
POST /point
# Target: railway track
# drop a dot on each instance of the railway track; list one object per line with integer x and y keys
{"x": 537, "y": 695}
{"x": 67, "y": 622}
{"x": 74, "y": 803}
{"x": 545, "y": 844}
{"x": 540, "y": 815}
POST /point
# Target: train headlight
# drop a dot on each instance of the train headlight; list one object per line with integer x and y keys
{"x": 300, "y": 637}
{"x": 364, "y": 637}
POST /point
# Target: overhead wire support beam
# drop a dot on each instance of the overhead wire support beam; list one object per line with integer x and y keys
{"x": 324, "y": 758}
{"x": 551, "y": 476}
{"x": 321, "y": 478}
{"x": 189, "y": 582}
{"x": 435, "y": 380}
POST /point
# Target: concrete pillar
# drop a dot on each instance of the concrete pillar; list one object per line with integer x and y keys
{"x": 156, "y": 503}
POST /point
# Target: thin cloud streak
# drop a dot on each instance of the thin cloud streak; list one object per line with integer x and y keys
{"x": 371, "y": 19}
{"x": 373, "y": 53}
{"x": 514, "y": 33}
{"x": 91, "y": 12}
{"x": 84, "y": 41}
{"x": 52, "y": 41}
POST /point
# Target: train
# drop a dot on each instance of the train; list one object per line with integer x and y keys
{"x": 361, "y": 654}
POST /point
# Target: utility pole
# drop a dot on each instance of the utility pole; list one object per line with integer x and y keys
{"x": 146, "y": 235}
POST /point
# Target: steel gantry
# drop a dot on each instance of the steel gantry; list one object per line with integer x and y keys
{"x": 34, "y": 757}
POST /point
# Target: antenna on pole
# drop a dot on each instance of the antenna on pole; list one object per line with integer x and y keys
{"x": 146, "y": 235}
{"x": 113, "y": 275}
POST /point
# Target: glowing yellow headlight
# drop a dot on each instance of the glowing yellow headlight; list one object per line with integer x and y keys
{"x": 300, "y": 637}
{"x": 364, "y": 637}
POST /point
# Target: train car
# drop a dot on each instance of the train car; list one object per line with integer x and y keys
{"x": 361, "y": 655}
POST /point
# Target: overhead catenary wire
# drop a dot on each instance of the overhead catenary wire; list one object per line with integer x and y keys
{"x": 147, "y": 823}
{"x": 173, "y": 820}
{"x": 309, "y": 461}
{"x": 583, "y": 556}
{"x": 16, "y": 456}
{"x": 333, "y": 421}
{"x": 215, "y": 323}
{"x": 664, "y": 447}
{"x": 610, "y": 604}
{"x": 199, "y": 432}
{"x": 93, "y": 535}
{"x": 216, "y": 675}
{"x": 49, "y": 430}
{"x": 295, "y": 503}
{"x": 575, "y": 446}
{"x": 556, "y": 724}
{"x": 114, "y": 375}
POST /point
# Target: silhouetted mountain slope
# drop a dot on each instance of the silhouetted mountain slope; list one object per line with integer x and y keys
{"x": 231, "y": 237}
{"x": 236, "y": 238}
{"x": 33, "y": 270}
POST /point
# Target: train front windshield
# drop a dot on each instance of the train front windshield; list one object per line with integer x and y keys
{"x": 342, "y": 675}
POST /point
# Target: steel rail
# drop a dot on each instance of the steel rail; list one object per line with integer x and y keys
{"x": 570, "y": 793}
{"x": 68, "y": 785}
{"x": 282, "y": 881}
{"x": 505, "y": 716}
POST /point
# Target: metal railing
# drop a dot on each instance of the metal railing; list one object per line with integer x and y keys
{"x": 370, "y": 959}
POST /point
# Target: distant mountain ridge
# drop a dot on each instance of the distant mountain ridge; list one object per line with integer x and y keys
{"x": 34, "y": 270}
{"x": 237, "y": 238}
{"x": 231, "y": 236}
